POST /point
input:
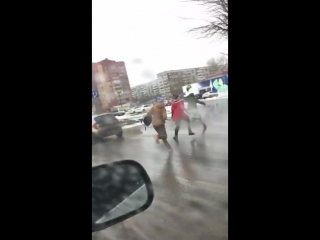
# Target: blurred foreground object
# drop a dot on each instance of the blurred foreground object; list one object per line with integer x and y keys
{"x": 120, "y": 190}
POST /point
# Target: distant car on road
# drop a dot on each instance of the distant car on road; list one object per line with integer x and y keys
{"x": 117, "y": 112}
{"x": 143, "y": 108}
{"x": 129, "y": 118}
{"x": 132, "y": 110}
{"x": 105, "y": 125}
{"x": 209, "y": 95}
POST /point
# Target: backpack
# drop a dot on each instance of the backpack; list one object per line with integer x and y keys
{"x": 146, "y": 121}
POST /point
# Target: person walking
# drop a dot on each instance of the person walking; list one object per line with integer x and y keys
{"x": 193, "y": 109}
{"x": 159, "y": 115}
{"x": 179, "y": 113}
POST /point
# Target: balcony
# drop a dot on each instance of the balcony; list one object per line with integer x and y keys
{"x": 117, "y": 86}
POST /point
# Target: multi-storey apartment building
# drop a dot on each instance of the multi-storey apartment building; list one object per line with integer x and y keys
{"x": 110, "y": 79}
{"x": 171, "y": 82}
{"x": 145, "y": 90}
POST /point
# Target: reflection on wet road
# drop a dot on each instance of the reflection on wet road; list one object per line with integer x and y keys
{"x": 191, "y": 184}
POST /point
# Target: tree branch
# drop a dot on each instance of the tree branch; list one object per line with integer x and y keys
{"x": 218, "y": 11}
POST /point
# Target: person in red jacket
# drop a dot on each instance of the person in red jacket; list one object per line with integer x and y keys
{"x": 179, "y": 113}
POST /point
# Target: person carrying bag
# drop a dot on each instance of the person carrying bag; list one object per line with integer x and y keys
{"x": 157, "y": 116}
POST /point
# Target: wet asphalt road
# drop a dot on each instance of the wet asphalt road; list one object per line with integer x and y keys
{"x": 191, "y": 184}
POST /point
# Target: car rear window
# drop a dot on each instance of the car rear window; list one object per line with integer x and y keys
{"x": 105, "y": 119}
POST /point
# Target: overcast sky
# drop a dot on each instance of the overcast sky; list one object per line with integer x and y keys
{"x": 150, "y": 37}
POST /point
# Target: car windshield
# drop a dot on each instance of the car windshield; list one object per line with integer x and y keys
{"x": 146, "y": 52}
{"x": 105, "y": 119}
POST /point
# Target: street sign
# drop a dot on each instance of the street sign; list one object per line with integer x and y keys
{"x": 95, "y": 94}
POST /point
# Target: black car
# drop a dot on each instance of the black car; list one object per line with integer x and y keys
{"x": 105, "y": 125}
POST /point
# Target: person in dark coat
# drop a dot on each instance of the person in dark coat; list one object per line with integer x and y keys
{"x": 193, "y": 109}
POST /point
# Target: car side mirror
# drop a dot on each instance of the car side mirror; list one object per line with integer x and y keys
{"x": 120, "y": 190}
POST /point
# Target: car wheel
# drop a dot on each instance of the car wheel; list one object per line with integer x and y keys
{"x": 119, "y": 135}
{"x": 143, "y": 110}
{"x": 94, "y": 139}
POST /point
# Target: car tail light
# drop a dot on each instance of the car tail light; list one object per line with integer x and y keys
{"x": 95, "y": 126}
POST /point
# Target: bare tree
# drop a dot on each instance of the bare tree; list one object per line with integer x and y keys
{"x": 212, "y": 62}
{"x": 218, "y": 64}
{"x": 221, "y": 60}
{"x": 218, "y": 25}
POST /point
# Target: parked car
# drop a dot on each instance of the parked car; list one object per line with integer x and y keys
{"x": 128, "y": 118}
{"x": 133, "y": 110}
{"x": 117, "y": 112}
{"x": 143, "y": 108}
{"x": 105, "y": 125}
{"x": 209, "y": 95}
{"x": 198, "y": 96}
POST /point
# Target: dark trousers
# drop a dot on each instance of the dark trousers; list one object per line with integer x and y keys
{"x": 162, "y": 134}
{"x": 161, "y": 130}
{"x": 178, "y": 123}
